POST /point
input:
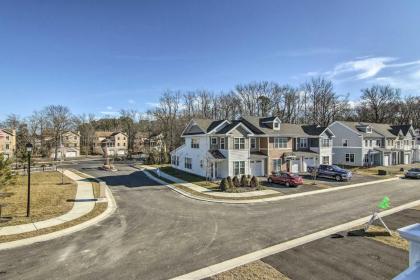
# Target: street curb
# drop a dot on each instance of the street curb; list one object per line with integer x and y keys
{"x": 112, "y": 206}
{"x": 261, "y": 200}
{"x": 257, "y": 255}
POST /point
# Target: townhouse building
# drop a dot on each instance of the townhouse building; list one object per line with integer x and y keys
{"x": 250, "y": 145}
{"x": 7, "y": 142}
{"x": 144, "y": 143}
{"x": 372, "y": 144}
{"x": 68, "y": 147}
{"x": 115, "y": 141}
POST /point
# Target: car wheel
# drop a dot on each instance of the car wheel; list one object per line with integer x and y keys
{"x": 287, "y": 184}
{"x": 338, "y": 178}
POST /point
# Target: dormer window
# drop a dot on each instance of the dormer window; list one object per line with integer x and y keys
{"x": 276, "y": 125}
{"x": 368, "y": 129}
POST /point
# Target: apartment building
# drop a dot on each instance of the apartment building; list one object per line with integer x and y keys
{"x": 69, "y": 145}
{"x": 250, "y": 145}
{"x": 116, "y": 142}
{"x": 7, "y": 142}
{"x": 372, "y": 144}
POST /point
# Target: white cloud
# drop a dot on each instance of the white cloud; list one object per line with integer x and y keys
{"x": 131, "y": 101}
{"x": 362, "y": 68}
{"x": 377, "y": 70}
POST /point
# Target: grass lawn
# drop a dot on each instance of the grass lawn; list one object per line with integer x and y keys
{"x": 97, "y": 210}
{"x": 393, "y": 169}
{"x": 49, "y": 198}
{"x": 257, "y": 270}
{"x": 191, "y": 178}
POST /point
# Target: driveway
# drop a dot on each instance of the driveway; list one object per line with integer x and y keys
{"x": 356, "y": 179}
{"x": 158, "y": 234}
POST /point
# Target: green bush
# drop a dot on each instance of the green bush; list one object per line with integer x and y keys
{"x": 230, "y": 183}
{"x": 244, "y": 181}
{"x": 236, "y": 182}
{"x": 224, "y": 185}
{"x": 254, "y": 182}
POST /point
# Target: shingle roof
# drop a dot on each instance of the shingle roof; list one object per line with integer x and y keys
{"x": 312, "y": 129}
{"x": 387, "y": 130}
{"x": 286, "y": 129}
{"x": 217, "y": 154}
{"x": 405, "y": 128}
{"x": 228, "y": 127}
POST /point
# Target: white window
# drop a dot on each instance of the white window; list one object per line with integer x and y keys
{"x": 276, "y": 165}
{"x": 303, "y": 143}
{"x": 276, "y": 125}
{"x": 239, "y": 143}
{"x": 370, "y": 143}
{"x": 7, "y": 138}
{"x": 188, "y": 163}
{"x": 349, "y": 157}
{"x": 238, "y": 167}
{"x": 326, "y": 160}
{"x": 280, "y": 142}
{"x": 214, "y": 141}
{"x": 253, "y": 143}
{"x": 222, "y": 143}
{"x": 177, "y": 160}
{"x": 195, "y": 143}
{"x": 366, "y": 143}
{"x": 366, "y": 158}
{"x": 325, "y": 143}
{"x": 345, "y": 142}
{"x": 378, "y": 142}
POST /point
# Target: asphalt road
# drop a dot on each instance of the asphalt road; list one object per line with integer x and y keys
{"x": 157, "y": 233}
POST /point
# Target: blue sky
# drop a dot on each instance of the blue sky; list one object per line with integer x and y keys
{"x": 101, "y": 56}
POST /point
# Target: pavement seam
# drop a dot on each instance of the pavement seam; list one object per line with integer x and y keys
{"x": 254, "y": 256}
{"x": 112, "y": 206}
{"x": 261, "y": 200}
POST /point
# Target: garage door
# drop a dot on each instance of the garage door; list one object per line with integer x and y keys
{"x": 257, "y": 168}
{"x": 386, "y": 160}
{"x": 121, "y": 152}
{"x": 294, "y": 166}
{"x": 71, "y": 154}
{"x": 307, "y": 162}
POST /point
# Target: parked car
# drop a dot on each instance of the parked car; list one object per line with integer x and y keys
{"x": 413, "y": 173}
{"x": 285, "y": 178}
{"x": 332, "y": 172}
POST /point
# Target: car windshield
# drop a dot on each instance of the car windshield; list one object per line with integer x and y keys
{"x": 294, "y": 175}
{"x": 336, "y": 168}
{"x": 414, "y": 170}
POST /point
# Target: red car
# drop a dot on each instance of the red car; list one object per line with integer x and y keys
{"x": 285, "y": 178}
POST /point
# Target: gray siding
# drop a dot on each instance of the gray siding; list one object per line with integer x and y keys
{"x": 354, "y": 146}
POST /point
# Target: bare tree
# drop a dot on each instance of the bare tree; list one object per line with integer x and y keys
{"x": 60, "y": 120}
{"x": 377, "y": 102}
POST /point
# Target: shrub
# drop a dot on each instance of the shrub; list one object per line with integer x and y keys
{"x": 254, "y": 182}
{"x": 244, "y": 181}
{"x": 230, "y": 183}
{"x": 224, "y": 185}
{"x": 236, "y": 182}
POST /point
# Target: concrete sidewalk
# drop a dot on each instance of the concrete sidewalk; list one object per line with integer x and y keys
{"x": 203, "y": 190}
{"x": 83, "y": 204}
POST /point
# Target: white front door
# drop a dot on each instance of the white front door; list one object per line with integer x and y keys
{"x": 406, "y": 159}
{"x": 386, "y": 160}
{"x": 257, "y": 168}
{"x": 294, "y": 166}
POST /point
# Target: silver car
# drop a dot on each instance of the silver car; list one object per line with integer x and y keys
{"x": 413, "y": 173}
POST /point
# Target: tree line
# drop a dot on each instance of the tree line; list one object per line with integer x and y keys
{"x": 313, "y": 102}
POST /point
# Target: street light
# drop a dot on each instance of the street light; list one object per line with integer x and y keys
{"x": 28, "y": 205}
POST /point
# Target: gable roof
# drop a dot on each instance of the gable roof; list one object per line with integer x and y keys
{"x": 404, "y": 128}
{"x": 379, "y": 129}
{"x": 258, "y": 126}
